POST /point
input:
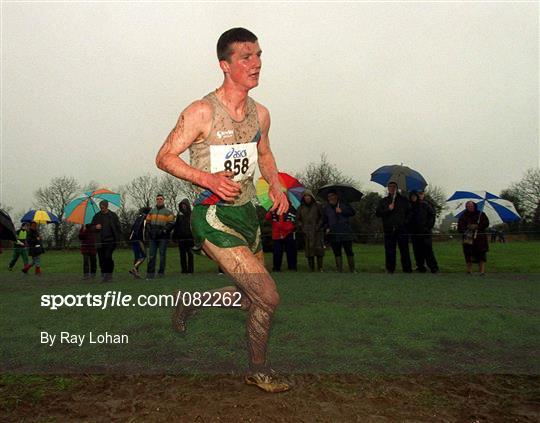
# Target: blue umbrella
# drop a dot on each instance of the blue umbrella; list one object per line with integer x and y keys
{"x": 406, "y": 178}
{"x": 496, "y": 209}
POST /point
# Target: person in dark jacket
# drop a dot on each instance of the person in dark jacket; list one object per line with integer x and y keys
{"x": 336, "y": 217}
{"x": 87, "y": 236}
{"x": 35, "y": 249}
{"x": 159, "y": 224}
{"x": 473, "y": 224}
{"x": 394, "y": 209}
{"x": 183, "y": 236}
{"x": 421, "y": 222}
{"x": 20, "y": 248}
{"x": 108, "y": 234}
{"x": 137, "y": 236}
{"x": 283, "y": 238}
{"x": 310, "y": 221}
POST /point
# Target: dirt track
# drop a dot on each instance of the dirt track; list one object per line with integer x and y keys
{"x": 328, "y": 398}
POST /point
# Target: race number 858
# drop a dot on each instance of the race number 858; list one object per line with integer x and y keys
{"x": 237, "y": 165}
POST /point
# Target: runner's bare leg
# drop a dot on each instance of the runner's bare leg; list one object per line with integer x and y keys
{"x": 255, "y": 283}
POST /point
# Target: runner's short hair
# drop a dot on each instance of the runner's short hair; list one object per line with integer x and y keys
{"x": 233, "y": 35}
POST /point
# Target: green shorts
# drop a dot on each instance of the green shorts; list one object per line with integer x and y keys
{"x": 226, "y": 226}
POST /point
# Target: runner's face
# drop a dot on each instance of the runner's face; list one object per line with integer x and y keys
{"x": 244, "y": 64}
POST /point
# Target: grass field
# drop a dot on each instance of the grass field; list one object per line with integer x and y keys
{"x": 514, "y": 257}
{"x": 370, "y": 325}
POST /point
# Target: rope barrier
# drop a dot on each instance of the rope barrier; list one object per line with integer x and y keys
{"x": 357, "y": 235}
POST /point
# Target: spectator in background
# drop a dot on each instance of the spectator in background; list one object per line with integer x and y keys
{"x": 336, "y": 215}
{"x": 473, "y": 224}
{"x": 137, "y": 237}
{"x": 394, "y": 209}
{"x": 108, "y": 234}
{"x": 283, "y": 238}
{"x": 87, "y": 236}
{"x": 183, "y": 236}
{"x": 310, "y": 221}
{"x": 421, "y": 222}
{"x": 159, "y": 223}
{"x": 35, "y": 249}
{"x": 20, "y": 248}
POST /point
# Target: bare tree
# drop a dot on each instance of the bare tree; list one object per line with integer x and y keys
{"x": 436, "y": 197}
{"x": 526, "y": 192}
{"x": 91, "y": 186}
{"x": 174, "y": 190}
{"x": 142, "y": 190}
{"x": 317, "y": 174}
{"x": 126, "y": 215}
{"x": 54, "y": 198}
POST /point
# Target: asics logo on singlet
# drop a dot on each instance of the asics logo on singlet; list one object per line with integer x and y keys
{"x": 225, "y": 134}
{"x": 235, "y": 154}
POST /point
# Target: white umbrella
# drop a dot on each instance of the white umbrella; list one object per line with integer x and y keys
{"x": 496, "y": 209}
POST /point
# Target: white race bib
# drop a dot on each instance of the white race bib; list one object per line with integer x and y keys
{"x": 238, "y": 158}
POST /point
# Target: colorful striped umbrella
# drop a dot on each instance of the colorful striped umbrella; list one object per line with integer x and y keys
{"x": 41, "y": 217}
{"x": 289, "y": 185}
{"x": 83, "y": 209}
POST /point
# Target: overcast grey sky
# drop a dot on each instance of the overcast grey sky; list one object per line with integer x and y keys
{"x": 91, "y": 90}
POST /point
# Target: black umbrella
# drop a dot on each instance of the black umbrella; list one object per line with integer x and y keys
{"x": 7, "y": 229}
{"x": 345, "y": 192}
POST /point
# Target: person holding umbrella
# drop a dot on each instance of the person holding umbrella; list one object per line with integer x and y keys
{"x": 34, "y": 248}
{"x": 394, "y": 209}
{"x": 108, "y": 234}
{"x": 337, "y": 214}
{"x": 20, "y": 248}
{"x": 473, "y": 224}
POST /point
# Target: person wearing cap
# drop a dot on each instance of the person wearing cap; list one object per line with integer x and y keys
{"x": 108, "y": 234}
{"x": 421, "y": 222}
{"x": 394, "y": 209}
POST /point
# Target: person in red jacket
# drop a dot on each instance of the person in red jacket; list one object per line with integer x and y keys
{"x": 87, "y": 236}
{"x": 283, "y": 226}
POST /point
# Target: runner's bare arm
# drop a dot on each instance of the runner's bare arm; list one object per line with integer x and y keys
{"x": 193, "y": 125}
{"x": 267, "y": 163}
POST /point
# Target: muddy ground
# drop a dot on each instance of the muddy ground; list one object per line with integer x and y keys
{"x": 321, "y": 398}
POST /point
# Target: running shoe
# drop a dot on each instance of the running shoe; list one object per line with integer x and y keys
{"x": 181, "y": 314}
{"x": 268, "y": 381}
